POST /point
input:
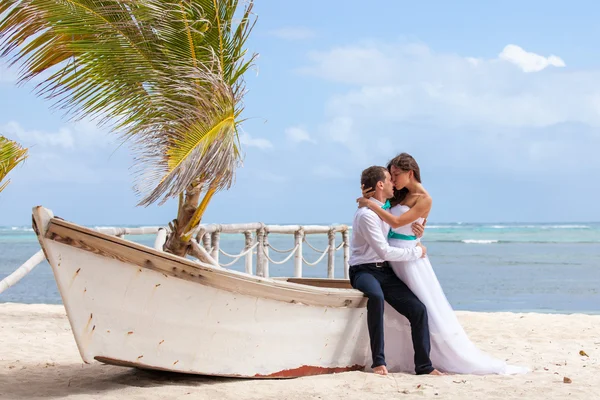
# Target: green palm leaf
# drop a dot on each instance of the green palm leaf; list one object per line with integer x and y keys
{"x": 166, "y": 75}
{"x": 93, "y": 51}
{"x": 11, "y": 154}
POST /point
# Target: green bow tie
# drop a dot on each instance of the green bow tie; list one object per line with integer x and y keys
{"x": 387, "y": 205}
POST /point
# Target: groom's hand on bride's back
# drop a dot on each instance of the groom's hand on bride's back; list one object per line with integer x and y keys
{"x": 419, "y": 244}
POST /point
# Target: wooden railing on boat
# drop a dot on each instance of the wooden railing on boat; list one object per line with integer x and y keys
{"x": 256, "y": 243}
{"x": 257, "y": 236}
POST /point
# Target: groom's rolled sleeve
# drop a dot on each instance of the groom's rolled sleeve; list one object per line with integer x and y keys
{"x": 374, "y": 237}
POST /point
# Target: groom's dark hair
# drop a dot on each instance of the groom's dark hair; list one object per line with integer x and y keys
{"x": 372, "y": 175}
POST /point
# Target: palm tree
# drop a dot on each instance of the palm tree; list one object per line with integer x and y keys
{"x": 11, "y": 154}
{"x": 166, "y": 75}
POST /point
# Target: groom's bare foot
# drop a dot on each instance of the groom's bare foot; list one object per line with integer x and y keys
{"x": 380, "y": 370}
{"x": 436, "y": 372}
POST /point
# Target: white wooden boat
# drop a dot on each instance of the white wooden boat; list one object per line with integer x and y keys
{"x": 132, "y": 305}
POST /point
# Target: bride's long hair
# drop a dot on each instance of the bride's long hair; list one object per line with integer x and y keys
{"x": 404, "y": 162}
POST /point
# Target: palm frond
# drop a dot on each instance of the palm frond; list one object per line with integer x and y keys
{"x": 101, "y": 53}
{"x": 11, "y": 154}
{"x": 165, "y": 74}
{"x": 202, "y": 149}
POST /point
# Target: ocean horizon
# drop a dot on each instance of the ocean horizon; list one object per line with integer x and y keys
{"x": 519, "y": 267}
{"x": 482, "y": 232}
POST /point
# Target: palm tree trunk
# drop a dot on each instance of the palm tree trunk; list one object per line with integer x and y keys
{"x": 189, "y": 215}
{"x": 177, "y": 242}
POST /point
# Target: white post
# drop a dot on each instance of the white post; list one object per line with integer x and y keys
{"x": 345, "y": 237}
{"x": 298, "y": 236}
{"x": 260, "y": 255}
{"x": 22, "y": 271}
{"x": 206, "y": 242}
{"x": 215, "y": 246}
{"x": 265, "y": 259}
{"x": 248, "y": 235}
{"x": 331, "y": 255}
{"x": 161, "y": 238}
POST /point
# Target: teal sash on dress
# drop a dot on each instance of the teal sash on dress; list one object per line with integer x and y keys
{"x": 394, "y": 235}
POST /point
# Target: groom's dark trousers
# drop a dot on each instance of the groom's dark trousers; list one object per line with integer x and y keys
{"x": 380, "y": 284}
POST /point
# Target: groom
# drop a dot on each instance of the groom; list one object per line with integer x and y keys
{"x": 371, "y": 274}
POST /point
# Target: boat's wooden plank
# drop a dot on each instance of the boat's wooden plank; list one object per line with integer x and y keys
{"x": 322, "y": 282}
{"x": 171, "y": 265}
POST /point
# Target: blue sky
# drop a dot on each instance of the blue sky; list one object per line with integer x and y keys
{"x": 498, "y": 102}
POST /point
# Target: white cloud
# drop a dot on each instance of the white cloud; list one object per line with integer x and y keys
{"x": 342, "y": 129}
{"x": 71, "y": 169}
{"x": 80, "y": 135}
{"x": 376, "y": 63}
{"x": 411, "y": 83}
{"x": 260, "y": 143}
{"x": 527, "y": 61}
{"x": 74, "y": 153}
{"x": 298, "y": 135}
{"x": 63, "y": 138}
{"x": 339, "y": 130}
{"x": 293, "y": 33}
{"x": 454, "y": 110}
{"x": 360, "y": 64}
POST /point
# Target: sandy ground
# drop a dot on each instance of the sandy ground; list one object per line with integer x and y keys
{"x": 39, "y": 359}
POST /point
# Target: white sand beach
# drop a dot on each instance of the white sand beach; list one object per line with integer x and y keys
{"x": 39, "y": 359}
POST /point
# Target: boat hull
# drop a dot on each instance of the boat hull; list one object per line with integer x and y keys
{"x": 129, "y": 314}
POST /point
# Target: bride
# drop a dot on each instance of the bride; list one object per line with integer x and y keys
{"x": 451, "y": 349}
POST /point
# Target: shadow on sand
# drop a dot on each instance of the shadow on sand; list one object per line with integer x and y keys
{"x": 46, "y": 381}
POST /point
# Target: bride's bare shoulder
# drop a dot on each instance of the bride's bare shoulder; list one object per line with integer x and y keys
{"x": 421, "y": 199}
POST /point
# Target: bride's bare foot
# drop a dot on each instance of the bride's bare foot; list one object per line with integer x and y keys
{"x": 380, "y": 370}
{"x": 436, "y": 372}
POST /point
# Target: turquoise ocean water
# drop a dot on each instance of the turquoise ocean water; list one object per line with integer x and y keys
{"x": 482, "y": 267}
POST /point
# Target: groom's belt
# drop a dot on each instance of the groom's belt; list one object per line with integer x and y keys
{"x": 375, "y": 264}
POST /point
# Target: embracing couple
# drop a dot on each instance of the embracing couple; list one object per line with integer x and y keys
{"x": 390, "y": 265}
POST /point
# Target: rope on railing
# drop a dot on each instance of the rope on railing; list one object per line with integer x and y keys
{"x": 236, "y": 257}
{"x": 282, "y": 251}
{"x": 284, "y": 260}
{"x": 319, "y": 260}
{"x": 262, "y": 244}
{"x": 317, "y": 250}
{"x": 243, "y": 253}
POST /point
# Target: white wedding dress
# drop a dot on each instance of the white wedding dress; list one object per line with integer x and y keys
{"x": 451, "y": 349}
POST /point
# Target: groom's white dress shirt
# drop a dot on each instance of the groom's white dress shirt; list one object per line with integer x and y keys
{"x": 369, "y": 240}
